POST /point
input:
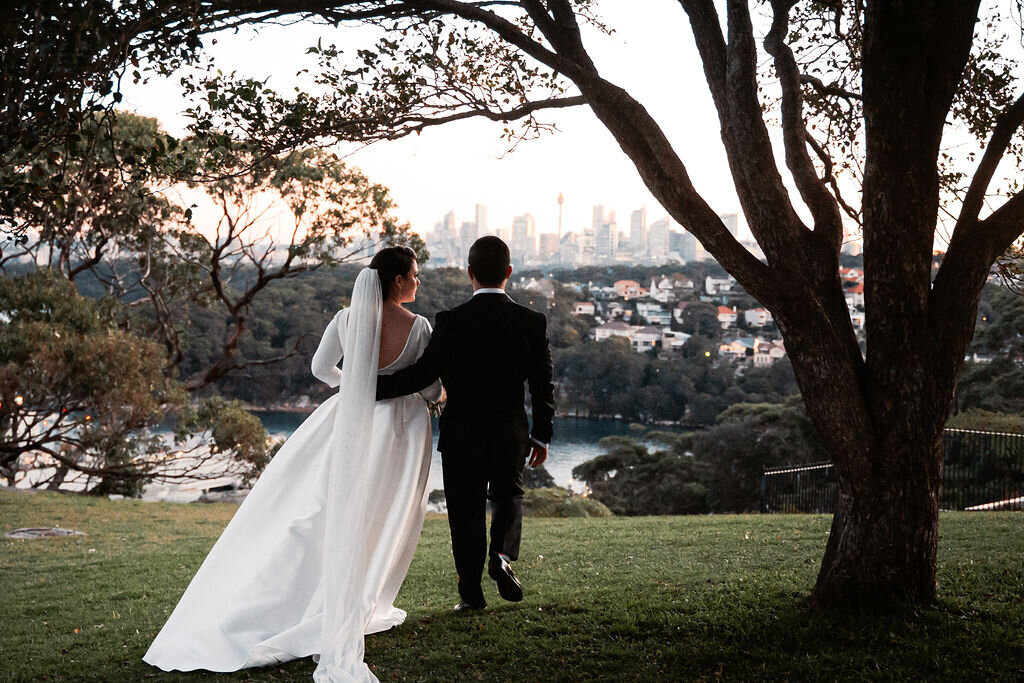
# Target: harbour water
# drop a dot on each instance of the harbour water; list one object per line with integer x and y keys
{"x": 576, "y": 441}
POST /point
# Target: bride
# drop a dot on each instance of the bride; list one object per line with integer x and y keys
{"x": 314, "y": 557}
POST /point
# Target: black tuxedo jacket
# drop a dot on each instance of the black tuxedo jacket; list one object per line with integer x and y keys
{"x": 484, "y": 351}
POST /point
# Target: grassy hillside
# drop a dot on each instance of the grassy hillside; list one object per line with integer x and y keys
{"x": 650, "y": 599}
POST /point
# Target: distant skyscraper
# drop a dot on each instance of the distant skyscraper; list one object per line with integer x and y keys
{"x": 448, "y": 225}
{"x": 606, "y": 238}
{"x": 687, "y": 247}
{"x": 443, "y": 242}
{"x": 587, "y": 246}
{"x": 548, "y": 250}
{"x": 638, "y": 233}
{"x": 598, "y": 217}
{"x": 467, "y": 235}
{"x": 560, "y": 200}
{"x": 569, "y": 250}
{"x": 658, "y": 240}
{"x": 524, "y": 242}
{"x": 481, "y": 220}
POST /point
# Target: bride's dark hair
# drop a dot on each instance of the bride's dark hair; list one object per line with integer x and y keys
{"x": 390, "y": 262}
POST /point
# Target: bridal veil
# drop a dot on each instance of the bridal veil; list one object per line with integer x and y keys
{"x": 347, "y": 608}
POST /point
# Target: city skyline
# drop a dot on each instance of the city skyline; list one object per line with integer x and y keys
{"x": 456, "y": 166}
{"x": 604, "y": 241}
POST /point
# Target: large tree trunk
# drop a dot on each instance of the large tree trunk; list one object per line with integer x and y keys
{"x": 881, "y": 549}
{"x": 887, "y": 447}
{"x": 887, "y": 451}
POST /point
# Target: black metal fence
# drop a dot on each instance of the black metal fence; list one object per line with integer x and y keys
{"x": 980, "y": 471}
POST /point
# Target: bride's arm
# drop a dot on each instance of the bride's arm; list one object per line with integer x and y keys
{"x": 432, "y": 393}
{"x": 325, "y": 360}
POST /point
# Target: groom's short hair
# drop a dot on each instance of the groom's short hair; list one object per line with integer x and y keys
{"x": 489, "y": 259}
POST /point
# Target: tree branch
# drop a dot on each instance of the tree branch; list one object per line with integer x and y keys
{"x": 517, "y": 113}
{"x": 826, "y": 160}
{"x": 975, "y": 244}
{"x": 1006, "y": 224}
{"x": 505, "y": 29}
{"x": 731, "y": 72}
{"x": 822, "y": 204}
{"x": 828, "y": 89}
{"x": 1006, "y": 125}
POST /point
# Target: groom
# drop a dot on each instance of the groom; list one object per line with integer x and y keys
{"x": 484, "y": 351}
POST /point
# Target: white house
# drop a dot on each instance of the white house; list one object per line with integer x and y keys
{"x": 854, "y": 296}
{"x": 673, "y": 340}
{"x": 661, "y": 290}
{"x": 583, "y": 308}
{"x": 768, "y": 354}
{"x": 666, "y": 289}
{"x": 717, "y": 285}
{"x": 646, "y": 338}
{"x": 654, "y": 313}
{"x": 757, "y": 317}
{"x": 615, "y": 328}
{"x": 727, "y": 316}
{"x": 739, "y": 348}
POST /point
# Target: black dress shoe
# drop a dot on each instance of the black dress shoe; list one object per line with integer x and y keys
{"x": 464, "y": 606}
{"x": 508, "y": 585}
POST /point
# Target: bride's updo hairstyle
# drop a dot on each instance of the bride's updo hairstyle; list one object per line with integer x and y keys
{"x": 489, "y": 259}
{"x": 390, "y": 262}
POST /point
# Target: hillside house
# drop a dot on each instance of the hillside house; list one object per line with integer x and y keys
{"x": 727, "y": 316}
{"x": 757, "y": 317}
{"x": 583, "y": 308}
{"x": 739, "y": 348}
{"x": 646, "y": 338}
{"x": 615, "y": 328}
{"x": 854, "y": 296}
{"x": 768, "y": 354}
{"x": 673, "y": 341}
{"x": 851, "y": 274}
{"x": 654, "y": 313}
{"x": 667, "y": 289}
{"x": 717, "y": 285}
{"x": 628, "y": 289}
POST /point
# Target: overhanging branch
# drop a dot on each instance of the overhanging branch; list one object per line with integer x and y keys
{"x": 828, "y": 89}
{"x": 820, "y": 202}
{"x": 731, "y": 72}
{"x": 419, "y": 123}
{"x": 1006, "y": 126}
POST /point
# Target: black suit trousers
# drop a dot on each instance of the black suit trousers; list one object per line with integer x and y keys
{"x": 490, "y": 471}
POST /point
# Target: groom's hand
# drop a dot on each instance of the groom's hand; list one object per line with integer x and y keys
{"x": 538, "y": 454}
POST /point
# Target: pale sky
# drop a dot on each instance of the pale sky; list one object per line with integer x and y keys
{"x": 454, "y": 167}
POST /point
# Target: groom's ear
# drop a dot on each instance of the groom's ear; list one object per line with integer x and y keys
{"x": 508, "y": 273}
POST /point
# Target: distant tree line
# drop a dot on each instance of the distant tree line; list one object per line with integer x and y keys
{"x": 718, "y": 469}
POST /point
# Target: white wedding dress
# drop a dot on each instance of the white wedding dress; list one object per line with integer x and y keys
{"x": 315, "y": 555}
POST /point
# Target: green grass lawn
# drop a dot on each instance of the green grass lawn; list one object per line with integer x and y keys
{"x": 615, "y": 599}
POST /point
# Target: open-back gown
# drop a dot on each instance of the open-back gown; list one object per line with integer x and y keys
{"x": 259, "y": 596}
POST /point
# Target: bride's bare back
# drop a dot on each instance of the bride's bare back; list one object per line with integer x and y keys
{"x": 395, "y": 326}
